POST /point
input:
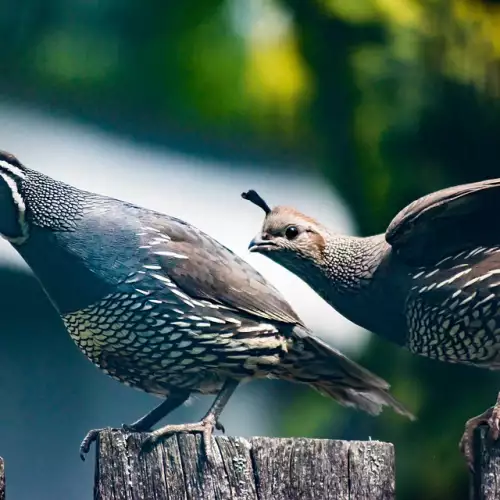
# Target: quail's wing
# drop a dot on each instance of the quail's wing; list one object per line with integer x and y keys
{"x": 447, "y": 221}
{"x": 207, "y": 270}
{"x": 334, "y": 374}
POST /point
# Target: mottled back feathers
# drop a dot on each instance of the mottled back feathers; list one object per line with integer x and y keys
{"x": 205, "y": 269}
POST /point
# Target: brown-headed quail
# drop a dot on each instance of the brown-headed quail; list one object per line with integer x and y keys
{"x": 431, "y": 283}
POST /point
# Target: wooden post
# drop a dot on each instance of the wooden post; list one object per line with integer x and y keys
{"x": 2, "y": 479}
{"x": 485, "y": 482}
{"x": 258, "y": 468}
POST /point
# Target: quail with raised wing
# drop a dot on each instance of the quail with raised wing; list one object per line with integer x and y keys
{"x": 430, "y": 283}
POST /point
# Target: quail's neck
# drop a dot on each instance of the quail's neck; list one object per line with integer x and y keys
{"x": 345, "y": 269}
{"x": 348, "y": 264}
{"x": 356, "y": 279}
{"x": 347, "y": 277}
{"x": 53, "y": 204}
{"x": 79, "y": 244}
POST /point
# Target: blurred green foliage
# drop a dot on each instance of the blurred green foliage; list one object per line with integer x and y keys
{"x": 390, "y": 99}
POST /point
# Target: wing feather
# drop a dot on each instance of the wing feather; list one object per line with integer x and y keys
{"x": 207, "y": 270}
{"x": 447, "y": 221}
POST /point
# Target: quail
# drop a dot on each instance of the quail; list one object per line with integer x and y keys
{"x": 431, "y": 283}
{"x": 161, "y": 306}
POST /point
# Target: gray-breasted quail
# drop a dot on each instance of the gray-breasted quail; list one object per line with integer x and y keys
{"x": 161, "y": 306}
{"x": 431, "y": 283}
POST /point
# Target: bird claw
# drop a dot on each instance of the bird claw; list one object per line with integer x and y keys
{"x": 491, "y": 418}
{"x": 205, "y": 427}
{"x": 89, "y": 438}
{"x": 93, "y": 434}
{"x": 494, "y": 423}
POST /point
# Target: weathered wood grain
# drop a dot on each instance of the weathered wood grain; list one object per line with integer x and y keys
{"x": 254, "y": 469}
{"x": 485, "y": 482}
{"x": 371, "y": 471}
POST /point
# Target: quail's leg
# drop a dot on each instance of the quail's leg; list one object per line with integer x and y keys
{"x": 491, "y": 418}
{"x": 156, "y": 414}
{"x": 205, "y": 426}
{"x": 143, "y": 424}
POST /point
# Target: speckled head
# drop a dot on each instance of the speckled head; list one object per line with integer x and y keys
{"x": 287, "y": 236}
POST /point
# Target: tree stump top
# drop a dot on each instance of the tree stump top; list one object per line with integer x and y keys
{"x": 257, "y": 468}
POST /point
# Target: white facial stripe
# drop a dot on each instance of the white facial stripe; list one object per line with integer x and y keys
{"x": 15, "y": 171}
{"x": 21, "y": 208}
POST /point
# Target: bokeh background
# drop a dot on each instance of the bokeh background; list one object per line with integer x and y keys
{"x": 346, "y": 109}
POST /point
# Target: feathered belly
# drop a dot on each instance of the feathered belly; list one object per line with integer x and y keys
{"x": 155, "y": 367}
{"x": 453, "y": 309}
{"x": 136, "y": 341}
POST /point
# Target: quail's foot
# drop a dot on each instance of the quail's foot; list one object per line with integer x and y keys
{"x": 143, "y": 424}
{"x": 491, "y": 418}
{"x": 93, "y": 434}
{"x": 205, "y": 426}
{"x": 89, "y": 438}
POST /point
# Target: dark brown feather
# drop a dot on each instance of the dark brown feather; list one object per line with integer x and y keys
{"x": 447, "y": 221}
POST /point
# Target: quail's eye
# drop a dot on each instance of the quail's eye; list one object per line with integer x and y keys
{"x": 291, "y": 232}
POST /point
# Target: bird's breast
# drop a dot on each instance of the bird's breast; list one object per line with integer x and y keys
{"x": 453, "y": 308}
{"x": 149, "y": 336}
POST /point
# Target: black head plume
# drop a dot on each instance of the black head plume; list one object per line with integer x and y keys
{"x": 256, "y": 199}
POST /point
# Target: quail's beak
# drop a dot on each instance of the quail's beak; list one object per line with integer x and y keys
{"x": 260, "y": 245}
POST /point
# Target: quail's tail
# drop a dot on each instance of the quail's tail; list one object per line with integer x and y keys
{"x": 314, "y": 362}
